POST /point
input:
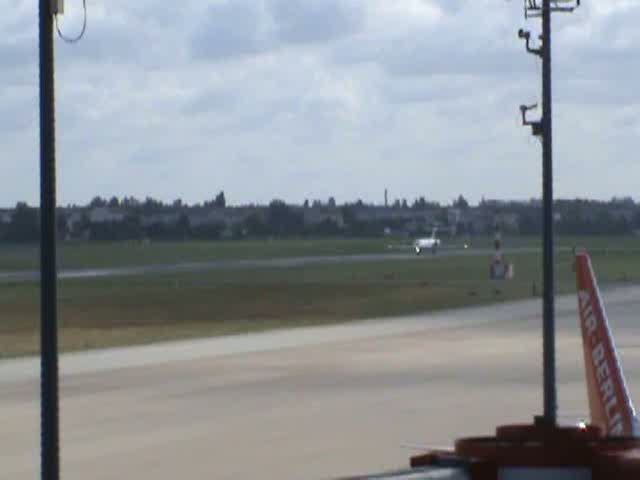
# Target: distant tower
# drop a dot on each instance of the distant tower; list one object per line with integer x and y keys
{"x": 386, "y": 198}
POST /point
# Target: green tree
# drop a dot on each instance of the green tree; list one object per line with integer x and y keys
{"x": 220, "y": 200}
{"x": 61, "y": 225}
{"x": 24, "y": 225}
{"x": 461, "y": 203}
{"x": 253, "y": 225}
{"x": 283, "y": 220}
{"x": 98, "y": 202}
{"x": 151, "y": 205}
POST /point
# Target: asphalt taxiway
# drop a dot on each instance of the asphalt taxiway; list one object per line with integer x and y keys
{"x": 304, "y": 403}
{"x": 243, "y": 264}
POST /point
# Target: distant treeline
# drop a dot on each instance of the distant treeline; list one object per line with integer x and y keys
{"x": 128, "y": 219}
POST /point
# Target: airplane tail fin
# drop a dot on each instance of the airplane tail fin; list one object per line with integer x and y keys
{"x": 609, "y": 401}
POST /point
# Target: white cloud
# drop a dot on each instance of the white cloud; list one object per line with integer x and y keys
{"x": 312, "y": 21}
{"x": 316, "y": 98}
{"x": 232, "y": 28}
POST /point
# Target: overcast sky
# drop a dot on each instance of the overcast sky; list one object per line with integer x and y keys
{"x": 309, "y": 99}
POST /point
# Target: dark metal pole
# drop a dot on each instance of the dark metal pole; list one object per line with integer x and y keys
{"x": 48, "y": 331}
{"x": 550, "y": 400}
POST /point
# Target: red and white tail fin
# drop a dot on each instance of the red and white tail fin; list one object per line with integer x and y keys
{"x": 609, "y": 402}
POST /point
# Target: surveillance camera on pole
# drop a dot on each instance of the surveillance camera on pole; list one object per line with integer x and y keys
{"x": 536, "y": 126}
{"x": 526, "y": 35}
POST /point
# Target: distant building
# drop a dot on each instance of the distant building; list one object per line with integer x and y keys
{"x": 507, "y": 222}
{"x": 6, "y": 216}
{"x": 105, "y": 214}
{"x": 166, "y": 219}
{"x": 623, "y": 213}
{"x": 73, "y": 218}
{"x": 367, "y": 213}
{"x": 454, "y": 215}
{"x": 317, "y": 215}
{"x": 228, "y": 216}
{"x": 478, "y": 220}
{"x": 76, "y": 219}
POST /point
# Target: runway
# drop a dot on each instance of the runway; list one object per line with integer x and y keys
{"x": 238, "y": 264}
{"x": 307, "y": 403}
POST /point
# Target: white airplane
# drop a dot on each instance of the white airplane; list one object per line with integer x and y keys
{"x": 429, "y": 243}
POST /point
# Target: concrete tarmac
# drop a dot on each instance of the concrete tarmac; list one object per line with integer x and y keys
{"x": 306, "y": 403}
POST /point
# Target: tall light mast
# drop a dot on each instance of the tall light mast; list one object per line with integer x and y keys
{"x": 543, "y": 128}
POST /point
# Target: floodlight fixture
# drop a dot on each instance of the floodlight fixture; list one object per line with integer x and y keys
{"x": 533, "y": 8}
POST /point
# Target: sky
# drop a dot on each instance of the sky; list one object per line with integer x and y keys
{"x": 297, "y": 99}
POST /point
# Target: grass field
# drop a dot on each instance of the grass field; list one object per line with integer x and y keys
{"x": 141, "y": 309}
{"x": 120, "y": 254}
